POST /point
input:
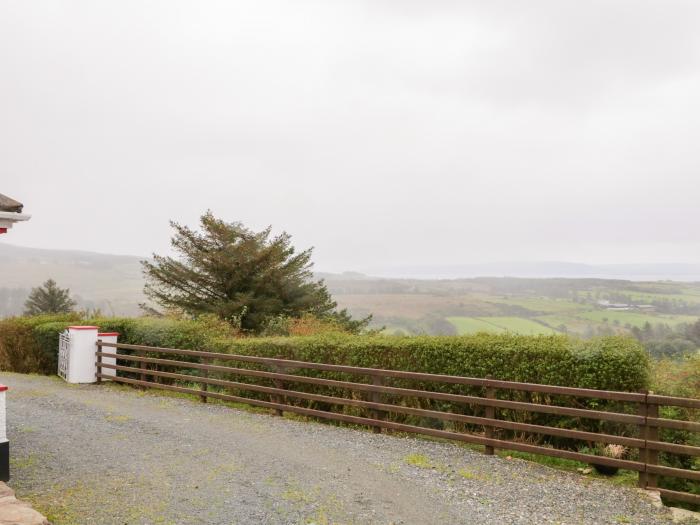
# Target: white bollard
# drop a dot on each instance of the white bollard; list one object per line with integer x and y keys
{"x": 109, "y": 337}
{"x": 4, "y": 443}
{"x": 76, "y": 356}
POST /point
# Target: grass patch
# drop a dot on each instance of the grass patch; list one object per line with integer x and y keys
{"x": 516, "y": 325}
{"x": 23, "y": 463}
{"x": 636, "y": 319}
{"x": 418, "y": 460}
{"x": 117, "y": 418}
{"x": 472, "y": 325}
{"x": 544, "y": 305}
{"x": 472, "y": 475}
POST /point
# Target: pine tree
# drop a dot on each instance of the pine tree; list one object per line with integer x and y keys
{"x": 48, "y": 299}
{"x": 244, "y": 277}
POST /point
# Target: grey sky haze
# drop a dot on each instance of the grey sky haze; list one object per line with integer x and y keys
{"x": 382, "y": 133}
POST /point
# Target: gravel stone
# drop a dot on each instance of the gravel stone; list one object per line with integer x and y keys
{"x": 110, "y": 454}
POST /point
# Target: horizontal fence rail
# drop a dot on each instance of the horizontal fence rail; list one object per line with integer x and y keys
{"x": 634, "y": 422}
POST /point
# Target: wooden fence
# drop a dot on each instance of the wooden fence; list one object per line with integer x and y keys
{"x": 638, "y": 419}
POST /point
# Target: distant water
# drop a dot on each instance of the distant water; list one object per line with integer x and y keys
{"x": 654, "y": 277}
{"x": 682, "y": 272}
{"x": 685, "y": 278}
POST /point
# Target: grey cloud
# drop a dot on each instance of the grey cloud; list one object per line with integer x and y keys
{"x": 376, "y": 131}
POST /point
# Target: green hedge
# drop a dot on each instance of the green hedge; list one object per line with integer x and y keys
{"x": 30, "y": 344}
{"x": 612, "y": 363}
{"x": 609, "y": 363}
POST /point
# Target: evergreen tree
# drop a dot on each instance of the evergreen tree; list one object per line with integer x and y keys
{"x": 244, "y": 277}
{"x": 48, "y": 299}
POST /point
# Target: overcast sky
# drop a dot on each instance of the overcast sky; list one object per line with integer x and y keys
{"x": 382, "y": 133}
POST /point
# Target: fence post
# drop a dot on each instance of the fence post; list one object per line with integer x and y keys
{"x": 643, "y": 434}
{"x": 205, "y": 374}
{"x": 652, "y": 435}
{"x": 376, "y": 397}
{"x": 278, "y": 384}
{"x": 98, "y": 364}
{"x": 491, "y": 414}
{"x": 142, "y": 366}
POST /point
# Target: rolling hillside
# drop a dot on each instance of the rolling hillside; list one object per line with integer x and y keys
{"x": 113, "y": 283}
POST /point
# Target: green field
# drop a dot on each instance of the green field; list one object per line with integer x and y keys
{"x": 518, "y": 325}
{"x": 538, "y": 304}
{"x": 571, "y": 323}
{"x": 523, "y": 306}
{"x": 471, "y": 325}
{"x": 688, "y": 296}
{"x": 635, "y": 318}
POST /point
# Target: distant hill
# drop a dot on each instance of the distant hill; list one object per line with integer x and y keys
{"x": 547, "y": 269}
{"x": 112, "y": 283}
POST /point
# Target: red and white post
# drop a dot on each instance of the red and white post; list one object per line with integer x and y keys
{"x": 4, "y": 443}
{"x": 109, "y": 337}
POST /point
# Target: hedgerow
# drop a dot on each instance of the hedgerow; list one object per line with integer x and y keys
{"x": 27, "y": 345}
{"x": 608, "y": 363}
{"x": 611, "y": 363}
{"x": 30, "y": 344}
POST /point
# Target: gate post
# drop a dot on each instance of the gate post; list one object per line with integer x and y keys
{"x": 76, "y": 354}
{"x": 4, "y": 443}
{"x": 108, "y": 337}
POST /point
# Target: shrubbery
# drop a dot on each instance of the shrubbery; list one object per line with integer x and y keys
{"x": 30, "y": 344}
{"x": 608, "y": 363}
{"x": 680, "y": 377}
{"x": 611, "y": 363}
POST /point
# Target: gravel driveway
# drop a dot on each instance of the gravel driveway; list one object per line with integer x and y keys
{"x": 110, "y": 454}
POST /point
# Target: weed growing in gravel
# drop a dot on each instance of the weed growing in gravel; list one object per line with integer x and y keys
{"x": 117, "y": 418}
{"x": 470, "y": 474}
{"x": 29, "y": 393}
{"x": 418, "y": 460}
{"x": 23, "y": 463}
{"x": 296, "y": 495}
